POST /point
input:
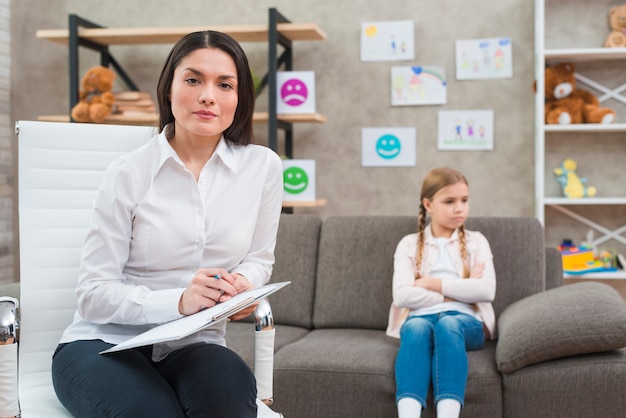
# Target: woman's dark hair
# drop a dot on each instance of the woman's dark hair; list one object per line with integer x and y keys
{"x": 240, "y": 131}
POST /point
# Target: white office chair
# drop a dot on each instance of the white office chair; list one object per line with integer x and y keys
{"x": 59, "y": 170}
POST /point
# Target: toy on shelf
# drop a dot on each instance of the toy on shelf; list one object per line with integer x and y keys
{"x": 617, "y": 22}
{"x": 565, "y": 104}
{"x": 95, "y": 97}
{"x": 572, "y": 185}
{"x": 581, "y": 260}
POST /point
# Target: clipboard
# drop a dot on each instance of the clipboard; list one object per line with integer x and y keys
{"x": 180, "y": 328}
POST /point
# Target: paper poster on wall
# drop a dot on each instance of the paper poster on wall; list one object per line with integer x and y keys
{"x": 478, "y": 59}
{"x": 387, "y": 41}
{"x": 468, "y": 130}
{"x": 418, "y": 86}
{"x": 296, "y": 92}
{"x": 388, "y": 147}
{"x": 298, "y": 180}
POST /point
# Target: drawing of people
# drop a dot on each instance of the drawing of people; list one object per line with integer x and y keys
{"x": 458, "y": 136}
{"x": 470, "y": 128}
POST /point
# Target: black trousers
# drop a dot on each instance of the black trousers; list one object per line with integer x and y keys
{"x": 200, "y": 380}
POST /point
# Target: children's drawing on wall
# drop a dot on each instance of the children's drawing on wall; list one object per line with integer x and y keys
{"x": 388, "y": 147}
{"x": 418, "y": 86}
{"x": 387, "y": 41}
{"x": 478, "y": 59}
{"x": 465, "y": 130}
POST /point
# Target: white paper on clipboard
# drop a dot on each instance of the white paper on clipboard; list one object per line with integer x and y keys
{"x": 180, "y": 328}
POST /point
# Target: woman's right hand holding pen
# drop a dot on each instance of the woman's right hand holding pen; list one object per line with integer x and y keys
{"x": 207, "y": 288}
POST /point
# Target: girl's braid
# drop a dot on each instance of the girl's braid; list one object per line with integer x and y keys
{"x": 463, "y": 251}
{"x": 421, "y": 225}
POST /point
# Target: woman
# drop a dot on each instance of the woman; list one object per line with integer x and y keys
{"x": 443, "y": 286}
{"x": 180, "y": 224}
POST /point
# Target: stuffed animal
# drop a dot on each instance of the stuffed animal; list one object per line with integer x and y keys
{"x": 617, "y": 21}
{"x": 572, "y": 185}
{"x": 565, "y": 104}
{"x": 95, "y": 96}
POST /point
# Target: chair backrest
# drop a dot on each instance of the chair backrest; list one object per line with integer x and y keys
{"x": 60, "y": 166}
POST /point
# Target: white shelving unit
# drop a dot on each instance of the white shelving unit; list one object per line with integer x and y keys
{"x": 580, "y": 134}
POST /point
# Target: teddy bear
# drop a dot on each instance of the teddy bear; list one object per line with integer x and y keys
{"x": 572, "y": 185}
{"x": 617, "y": 22}
{"x": 95, "y": 98}
{"x": 565, "y": 104}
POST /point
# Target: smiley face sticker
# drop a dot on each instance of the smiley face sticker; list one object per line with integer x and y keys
{"x": 294, "y": 92}
{"x": 388, "y": 146}
{"x": 393, "y": 146}
{"x": 295, "y": 180}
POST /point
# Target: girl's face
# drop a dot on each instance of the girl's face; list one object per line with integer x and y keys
{"x": 448, "y": 209}
{"x": 204, "y": 93}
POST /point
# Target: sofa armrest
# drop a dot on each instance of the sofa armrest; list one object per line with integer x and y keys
{"x": 574, "y": 319}
{"x": 554, "y": 268}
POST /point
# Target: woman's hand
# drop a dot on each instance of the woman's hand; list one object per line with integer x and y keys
{"x": 242, "y": 284}
{"x": 207, "y": 288}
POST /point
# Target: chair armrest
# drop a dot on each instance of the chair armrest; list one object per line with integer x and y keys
{"x": 9, "y": 406}
{"x": 264, "y": 351}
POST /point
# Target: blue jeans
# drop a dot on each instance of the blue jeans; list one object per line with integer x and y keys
{"x": 434, "y": 348}
{"x": 200, "y": 380}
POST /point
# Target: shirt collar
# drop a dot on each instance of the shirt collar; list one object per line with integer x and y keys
{"x": 429, "y": 238}
{"x": 224, "y": 151}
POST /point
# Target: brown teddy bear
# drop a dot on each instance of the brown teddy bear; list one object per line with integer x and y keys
{"x": 95, "y": 96}
{"x": 617, "y": 21}
{"x": 565, "y": 104}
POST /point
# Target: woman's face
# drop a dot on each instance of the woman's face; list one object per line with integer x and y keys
{"x": 204, "y": 93}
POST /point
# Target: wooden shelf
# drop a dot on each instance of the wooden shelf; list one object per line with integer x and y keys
{"x": 587, "y": 127}
{"x": 168, "y": 35}
{"x": 308, "y": 204}
{"x": 263, "y": 117}
{"x": 152, "y": 119}
{"x": 585, "y": 201}
{"x": 609, "y": 275}
{"x": 584, "y": 54}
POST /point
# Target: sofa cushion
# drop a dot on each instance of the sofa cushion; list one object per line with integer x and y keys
{"x": 518, "y": 250}
{"x": 356, "y": 263}
{"x": 574, "y": 319}
{"x": 355, "y": 270}
{"x": 296, "y": 260}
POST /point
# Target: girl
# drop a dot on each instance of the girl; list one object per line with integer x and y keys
{"x": 443, "y": 284}
{"x": 182, "y": 223}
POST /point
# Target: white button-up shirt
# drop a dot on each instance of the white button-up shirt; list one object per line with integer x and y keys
{"x": 153, "y": 226}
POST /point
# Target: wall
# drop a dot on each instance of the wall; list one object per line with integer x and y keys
{"x": 6, "y": 152}
{"x": 351, "y": 93}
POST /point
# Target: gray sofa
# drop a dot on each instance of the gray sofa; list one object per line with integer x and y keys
{"x": 555, "y": 356}
{"x": 558, "y": 352}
